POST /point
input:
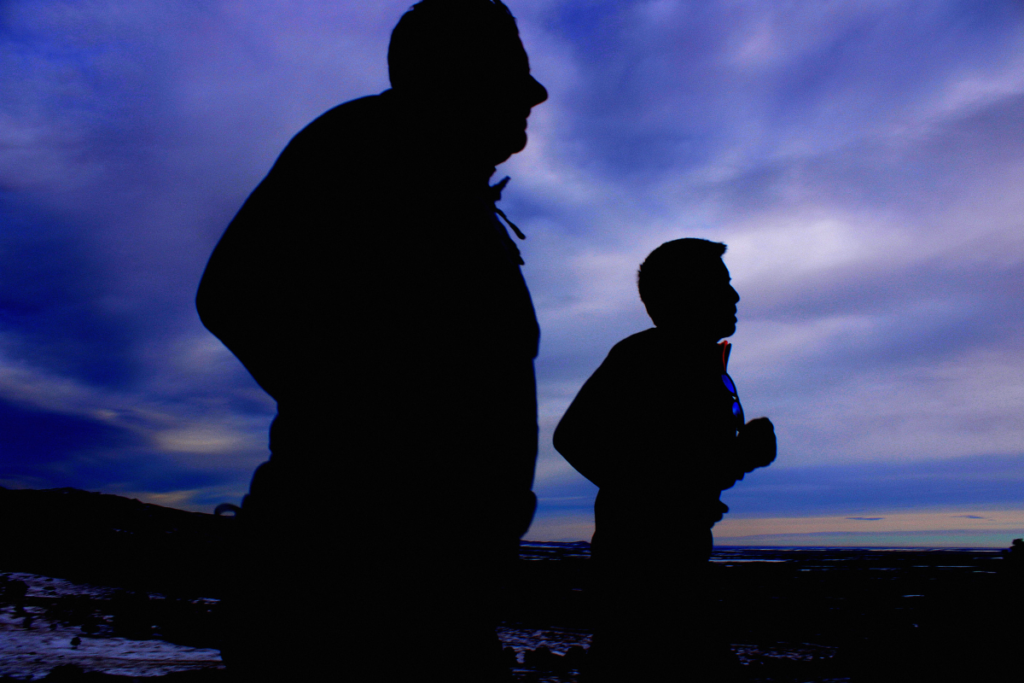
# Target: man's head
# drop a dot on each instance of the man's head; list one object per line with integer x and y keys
{"x": 462, "y": 61}
{"x": 685, "y": 287}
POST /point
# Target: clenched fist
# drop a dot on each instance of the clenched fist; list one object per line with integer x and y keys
{"x": 756, "y": 444}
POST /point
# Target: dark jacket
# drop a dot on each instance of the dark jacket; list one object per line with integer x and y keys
{"x": 368, "y": 287}
{"x": 654, "y": 428}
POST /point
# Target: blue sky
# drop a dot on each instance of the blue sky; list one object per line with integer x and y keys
{"x": 863, "y": 160}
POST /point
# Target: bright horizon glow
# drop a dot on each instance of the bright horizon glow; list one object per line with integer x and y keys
{"x": 946, "y": 528}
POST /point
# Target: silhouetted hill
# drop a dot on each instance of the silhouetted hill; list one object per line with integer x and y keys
{"x": 115, "y": 541}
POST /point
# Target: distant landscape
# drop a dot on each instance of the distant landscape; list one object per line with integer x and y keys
{"x": 104, "y": 584}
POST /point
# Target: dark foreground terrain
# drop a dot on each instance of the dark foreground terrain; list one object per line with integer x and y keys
{"x": 97, "y": 587}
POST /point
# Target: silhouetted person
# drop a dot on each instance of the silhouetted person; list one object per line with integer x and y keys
{"x": 369, "y": 287}
{"x": 659, "y": 429}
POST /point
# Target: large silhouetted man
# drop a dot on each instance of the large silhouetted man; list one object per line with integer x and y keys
{"x": 369, "y": 287}
{"x": 659, "y": 429}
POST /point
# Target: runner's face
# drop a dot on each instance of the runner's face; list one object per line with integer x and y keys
{"x": 705, "y": 309}
{"x": 484, "y": 106}
{"x": 500, "y": 102}
{"x": 722, "y": 298}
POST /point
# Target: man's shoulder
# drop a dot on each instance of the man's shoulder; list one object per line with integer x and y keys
{"x": 634, "y": 357}
{"x": 345, "y": 144}
{"x": 363, "y": 110}
{"x": 640, "y": 344}
{"x": 351, "y": 124}
{"x": 652, "y": 356}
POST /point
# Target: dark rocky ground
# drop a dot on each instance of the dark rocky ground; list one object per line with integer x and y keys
{"x": 139, "y": 584}
{"x": 829, "y": 614}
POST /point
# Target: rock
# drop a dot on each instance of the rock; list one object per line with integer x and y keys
{"x": 575, "y": 657}
{"x": 65, "y": 672}
{"x": 542, "y": 659}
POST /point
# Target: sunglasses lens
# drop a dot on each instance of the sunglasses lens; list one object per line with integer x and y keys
{"x": 736, "y": 409}
{"x": 728, "y": 384}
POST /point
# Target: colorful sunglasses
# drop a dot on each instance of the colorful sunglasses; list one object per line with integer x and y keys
{"x": 737, "y": 409}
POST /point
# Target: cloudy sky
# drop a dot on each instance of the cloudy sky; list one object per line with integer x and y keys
{"x": 863, "y": 160}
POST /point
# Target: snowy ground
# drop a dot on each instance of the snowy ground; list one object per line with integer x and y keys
{"x": 32, "y": 643}
{"x": 558, "y": 640}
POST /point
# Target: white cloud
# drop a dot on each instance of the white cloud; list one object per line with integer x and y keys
{"x": 200, "y": 435}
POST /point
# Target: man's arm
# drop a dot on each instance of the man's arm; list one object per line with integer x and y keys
{"x": 265, "y": 288}
{"x": 594, "y": 430}
{"x": 236, "y": 298}
{"x": 756, "y": 445}
{"x": 620, "y": 429}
